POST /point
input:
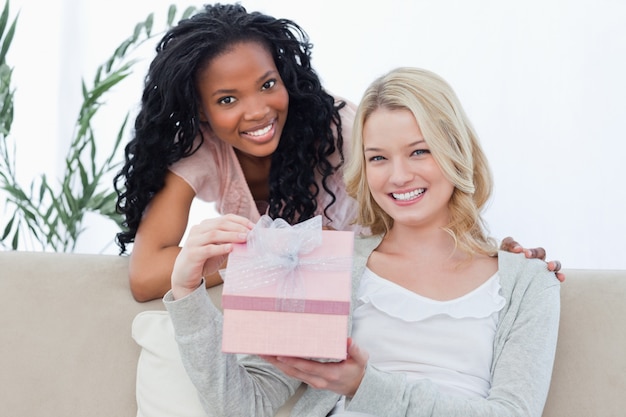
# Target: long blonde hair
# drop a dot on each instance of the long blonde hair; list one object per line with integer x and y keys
{"x": 452, "y": 142}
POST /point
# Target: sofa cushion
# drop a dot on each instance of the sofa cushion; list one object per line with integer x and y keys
{"x": 163, "y": 387}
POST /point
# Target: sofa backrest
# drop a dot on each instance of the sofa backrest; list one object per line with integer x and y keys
{"x": 66, "y": 346}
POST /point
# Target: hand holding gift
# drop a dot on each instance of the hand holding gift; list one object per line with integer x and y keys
{"x": 340, "y": 377}
{"x": 206, "y": 249}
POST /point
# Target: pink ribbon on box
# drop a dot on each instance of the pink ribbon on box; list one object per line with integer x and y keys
{"x": 274, "y": 250}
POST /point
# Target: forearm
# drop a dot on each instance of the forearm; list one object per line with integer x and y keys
{"x": 150, "y": 274}
{"x": 392, "y": 395}
{"x": 150, "y": 280}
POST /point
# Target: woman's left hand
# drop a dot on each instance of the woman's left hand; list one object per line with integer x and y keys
{"x": 510, "y": 245}
{"x": 340, "y": 377}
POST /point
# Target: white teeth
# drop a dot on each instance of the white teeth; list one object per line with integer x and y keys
{"x": 408, "y": 196}
{"x": 260, "y": 132}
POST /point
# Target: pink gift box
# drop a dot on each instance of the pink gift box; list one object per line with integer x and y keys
{"x": 307, "y": 317}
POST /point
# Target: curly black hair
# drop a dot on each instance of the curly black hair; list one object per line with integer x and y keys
{"x": 168, "y": 120}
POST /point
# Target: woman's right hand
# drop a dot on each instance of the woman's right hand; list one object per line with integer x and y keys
{"x": 205, "y": 250}
{"x": 343, "y": 377}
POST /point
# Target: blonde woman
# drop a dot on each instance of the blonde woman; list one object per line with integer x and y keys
{"x": 443, "y": 324}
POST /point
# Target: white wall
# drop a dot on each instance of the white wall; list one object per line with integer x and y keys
{"x": 541, "y": 79}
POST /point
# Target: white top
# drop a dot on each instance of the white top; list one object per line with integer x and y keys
{"x": 449, "y": 342}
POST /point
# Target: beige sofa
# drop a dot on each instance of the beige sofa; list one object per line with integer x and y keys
{"x": 66, "y": 346}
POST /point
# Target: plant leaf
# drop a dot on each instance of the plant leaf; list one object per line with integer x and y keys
{"x": 8, "y": 38}
{"x": 15, "y": 241}
{"x": 189, "y": 11}
{"x": 7, "y": 229}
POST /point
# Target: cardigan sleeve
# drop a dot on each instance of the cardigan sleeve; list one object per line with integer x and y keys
{"x": 522, "y": 366}
{"x": 226, "y": 384}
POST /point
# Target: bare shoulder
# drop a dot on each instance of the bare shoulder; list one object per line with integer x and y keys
{"x": 486, "y": 263}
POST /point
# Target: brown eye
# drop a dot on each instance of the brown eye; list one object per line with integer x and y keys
{"x": 268, "y": 84}
{"x": 227, "y": 100}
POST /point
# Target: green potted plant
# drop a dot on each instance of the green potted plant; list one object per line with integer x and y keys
{"x": 49, "y": 214}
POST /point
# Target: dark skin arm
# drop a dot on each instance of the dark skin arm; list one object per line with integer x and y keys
{"x": 157, "y": 242}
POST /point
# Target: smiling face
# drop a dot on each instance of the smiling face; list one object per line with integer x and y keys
{"x": 403, "y": 176}
{"x": 244, "y": 99}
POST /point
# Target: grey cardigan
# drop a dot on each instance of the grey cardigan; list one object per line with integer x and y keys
{"x": 524, "y": 349}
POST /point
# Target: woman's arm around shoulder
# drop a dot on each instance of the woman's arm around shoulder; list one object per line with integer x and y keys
{"x": 511, "y": 245}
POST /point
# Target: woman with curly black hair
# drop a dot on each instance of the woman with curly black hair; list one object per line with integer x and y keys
{"x": 233, "y": 113}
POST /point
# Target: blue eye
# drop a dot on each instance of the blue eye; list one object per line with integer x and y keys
{"x": 420, "y": 152}
{"x": 376, "y": 158}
